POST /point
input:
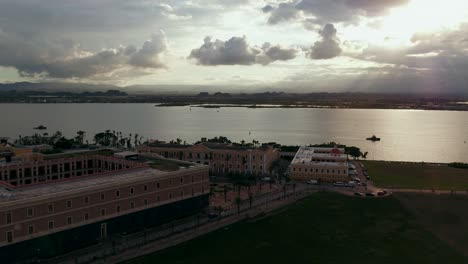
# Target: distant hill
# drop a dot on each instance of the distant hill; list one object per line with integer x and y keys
{"x": 56, "y": 87}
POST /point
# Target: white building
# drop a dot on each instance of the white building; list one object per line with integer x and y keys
{"x": 322, "y": 164}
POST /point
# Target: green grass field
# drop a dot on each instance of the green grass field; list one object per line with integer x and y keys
{"x": 325, "y": 228}
{"x": 417, "y": 175}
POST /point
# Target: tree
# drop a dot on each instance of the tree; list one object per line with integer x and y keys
{"x": 354, "y": 152}
{"x": 80, "y": 137}
{"x": 225, "y": 192}
{"x": 238, "y": 202}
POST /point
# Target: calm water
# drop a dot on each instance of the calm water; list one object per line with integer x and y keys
{"x": 431, "y": 136}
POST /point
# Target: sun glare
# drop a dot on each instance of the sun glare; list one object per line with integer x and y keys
{"x": 423, "y": 16}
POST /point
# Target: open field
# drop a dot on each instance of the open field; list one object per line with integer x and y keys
{"x": 417, "y": 175}
{"x": 446, "y": 216}
{"x": 325, "y": 228}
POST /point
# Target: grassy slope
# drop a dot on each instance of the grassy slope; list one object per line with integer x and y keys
{"x": 445, "y": 215}
{"x": 417, "y": 176}
{"x": 326, "y": 228}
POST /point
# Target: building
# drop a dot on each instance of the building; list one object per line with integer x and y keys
{"x": 52, "y": 204}
{"x": 222, "y": 158}
{"x": 322, "y": 164}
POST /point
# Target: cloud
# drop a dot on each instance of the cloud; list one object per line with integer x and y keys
{"x": 236, "y": 51}
{"x": 331, "y": 11}
{"x": 329, "y": 45}
{"x": 267, "y": 9}
{"x": 65, "y": 59}
{"x": 284, "y": 12}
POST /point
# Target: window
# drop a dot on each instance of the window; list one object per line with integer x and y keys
{"x": 86, "y": 216}
{"x": 103, "y": 196}
{"x": 170, "y": 195}
{"x": 305, "y": 170}
{"x": 132, "y": 205}
{"x": 9, "y": 236}
{"x": 117, "y": 209}
{"x": 145, "y": 187}
{"x": 30, "y": 229}
{"x": 30, "y": 212}
{"x": 86, "y": 200}
{"x": 146, "y": 201}
{"x": 69, "y": 220}
{"x": 181, "y": 193}
{"x": 158, "y": 198}
{"x": 181, "y": 180}
{"x": 69, "y": 204}
{"x": 157, "y": 185}
{"x": 51, "y": 224}
{"x": 132, "y": 190}
{"x": 117, "y": 193}
{"x": 103, "y": 212}
{"x": 253, "y": 157}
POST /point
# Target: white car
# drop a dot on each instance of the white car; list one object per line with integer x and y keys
{"x": 338, "y": 184}
{"x": 312, "y": 182}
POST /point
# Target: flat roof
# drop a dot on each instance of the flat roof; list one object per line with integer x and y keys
{"x": 305, "y": 155}
{"x": 81, "y": 183}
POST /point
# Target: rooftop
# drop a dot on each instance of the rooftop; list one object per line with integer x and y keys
{"x": 157, "y": 168}
{"x": 305, "y": 155}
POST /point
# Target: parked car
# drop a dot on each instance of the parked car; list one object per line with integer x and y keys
{"x": 338, "y": 184}
{"x": 360, "y": 194}
{"x": 362, "y": 184}
{"x": 370, "y": 194}
{"x": 267, "y": 179}
{"x": 212, "y": 216}
{"x": 312, "y": 182}
{"x": 382, "y": 193}
{"x": 350, "y": 184}
{"x": 356, "y": 179}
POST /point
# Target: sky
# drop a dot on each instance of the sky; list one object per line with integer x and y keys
{"x": 299, "y": 45}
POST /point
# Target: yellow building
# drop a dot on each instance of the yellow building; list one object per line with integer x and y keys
{"x": 321, "y": 164}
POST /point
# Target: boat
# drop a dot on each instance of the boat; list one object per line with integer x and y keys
{"x": 373, "y": 138}
{"x": 41, "y": 127}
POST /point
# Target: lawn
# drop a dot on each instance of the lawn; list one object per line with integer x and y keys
{"x": 417, "y": 175}
{"x": 325, "y": 228}
{"x": 445, "y": 215}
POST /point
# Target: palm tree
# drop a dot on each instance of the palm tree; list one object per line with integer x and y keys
{"x": 238, "y": 202}
{"x": 80, "y": 136}
{"x": 225, "y": 192}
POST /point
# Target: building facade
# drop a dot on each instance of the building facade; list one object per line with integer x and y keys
{"x": 321, "y": 164}
{"x": 60, "y": 214}
{"x": 221, "y": 158}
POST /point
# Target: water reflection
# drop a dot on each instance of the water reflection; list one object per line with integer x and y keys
{"x": 431, "y": 136}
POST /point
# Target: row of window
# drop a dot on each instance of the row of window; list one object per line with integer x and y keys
{"x": 51, "y": 223}
{"x": 207, "y": 155}
{"x": 85, "y": 200}
{"x": 321, "y": 170}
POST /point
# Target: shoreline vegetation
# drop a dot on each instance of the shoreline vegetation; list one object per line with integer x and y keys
{"x": 351, "y": 100}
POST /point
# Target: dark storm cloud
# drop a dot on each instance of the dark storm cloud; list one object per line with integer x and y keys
{"x": 332, "y": 11}
{"x": 236, "y": 51}
{"x": 64, "y": 59}
{"x": 328, "y": 46}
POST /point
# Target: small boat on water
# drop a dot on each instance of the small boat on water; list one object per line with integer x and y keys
{"x": 373, "y": 138}
{"x": 41, "y": 127}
